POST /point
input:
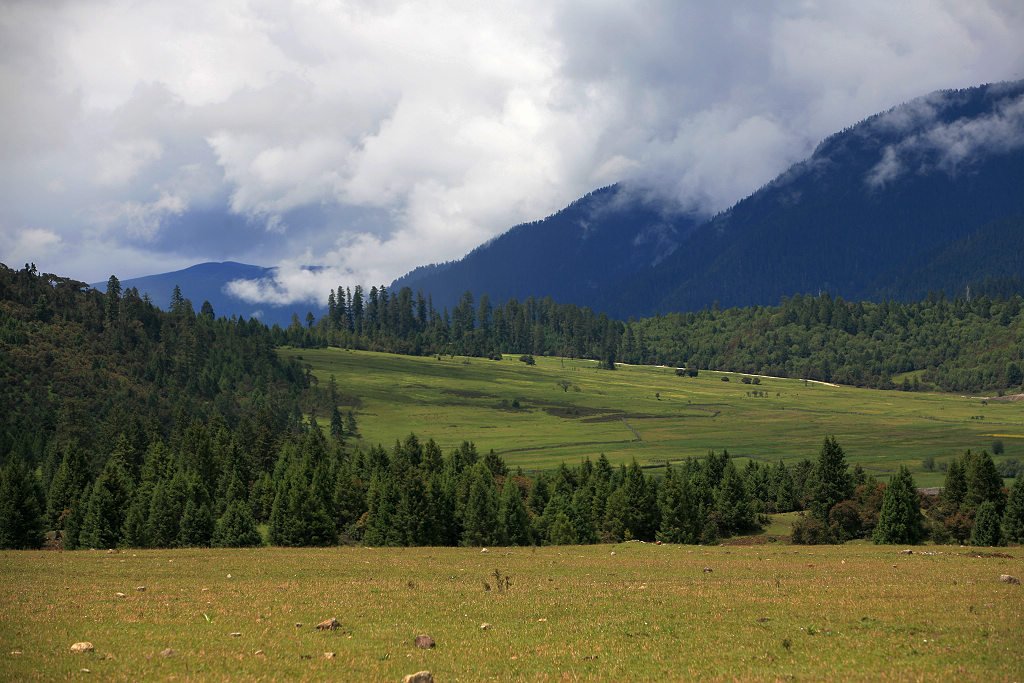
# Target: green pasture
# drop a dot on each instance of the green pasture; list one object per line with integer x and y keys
{"x": 569, "y": 409}
{"x": 624, "y": 612}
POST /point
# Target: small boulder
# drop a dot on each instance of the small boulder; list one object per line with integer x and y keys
{"x": 327, "y": 624}
{"x": 236, "y": 634}
{"x": 418, "y": 677}
{"x": 424, "y": 642}
{"x": 484, "y": 626}
{"x": 484, "y": 550}
{"x": 141, "y": 589}
{"x": 330, "y": 655}
{"x": 120, "y": 595}
{"x": 708, "y": 570}
{"x": 168, "y": 652}
{"x": 1006, "y": 578}
{"x": 906, "y": 552}
{"x": 82, "y": 647}
{"x": 258, "y": 653}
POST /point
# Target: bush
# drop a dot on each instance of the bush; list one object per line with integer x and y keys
{"x": 745, "y": 379}
{"x": 725, "y": 378}
{"x": 528, "y": 359}
{"x": 810, "y": 531}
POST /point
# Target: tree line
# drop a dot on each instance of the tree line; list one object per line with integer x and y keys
{"x": 972, "y": 507}
{"x": 966, "y": 344}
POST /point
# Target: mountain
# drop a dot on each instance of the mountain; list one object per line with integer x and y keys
{"x": 926, "y": 196}
{"x": 608, "y": 236}
{"x": 207, "y": 282}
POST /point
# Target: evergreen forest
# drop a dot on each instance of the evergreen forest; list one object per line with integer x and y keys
{"x": 128, "y": 425}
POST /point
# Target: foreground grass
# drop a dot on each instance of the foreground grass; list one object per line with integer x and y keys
{"x": 569, "y": 409}
{"x": 644, "y": 612}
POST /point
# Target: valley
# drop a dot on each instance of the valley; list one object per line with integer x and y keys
{"x": 571, "y": 409}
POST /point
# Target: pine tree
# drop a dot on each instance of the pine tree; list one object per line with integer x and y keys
{"x": 986, "y": 525}
{"x": 983, "y": 481}
{"x": 678, "y": 512}
{"x": 830, "y": 481}
{"x": 1013, "y": 516}
{"x": 107, "y": 506}
{"x": 236, "y": 528}
{"x": 899, "y": 521}
{"x": 733, "y": 502}
{"x": 480, "y": 518}
{"x": 298, "y": 517}
{"x": 197, "y": 525}
{"x": 68, "y": 494}
{"x": 21, "y": 510}
{"x": 781, "y": 488}
{"x": 561, "y": 530}
{"x": 513, "y": 519}
{"x": 955, "y": 486}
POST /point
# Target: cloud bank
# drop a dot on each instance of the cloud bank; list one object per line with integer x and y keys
{"x": 372, "y": 137}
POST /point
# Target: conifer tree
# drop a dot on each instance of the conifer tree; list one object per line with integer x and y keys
{"x": 733, "y": 502}
{"x": 986, "y": 525}
{"x": 21, "y": 510}
{"x": 480, "y": 518}
{"x": 899, "y": 521}
{"x": 197, "y": 525}
{"x": 678, "y": 510}
{"x": 236, "y": 528}
{"x": 68, "y": 495}
{"x": 107, "y": 507}
{"x": 561, "y": 530}
{"x": 513, "y": 519}
{"x": 983, "y": 481}
{"x": 955, "y": 486}
{"x": 830, "y": 481}
{"x": 1013, "y": 516}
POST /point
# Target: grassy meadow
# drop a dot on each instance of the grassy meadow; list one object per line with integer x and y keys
{"x": 623, "y": 612}
{"x": 569, "y": 409}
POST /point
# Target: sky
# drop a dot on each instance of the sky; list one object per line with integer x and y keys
{"x": 373, "y": 137}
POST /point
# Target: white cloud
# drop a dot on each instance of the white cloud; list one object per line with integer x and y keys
{"x": 375, "y": 137}
{"x": 948, "y": 146}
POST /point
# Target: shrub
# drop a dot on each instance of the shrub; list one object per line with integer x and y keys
{"x": 528, "y": 359}
{"x": 810, "y": 531}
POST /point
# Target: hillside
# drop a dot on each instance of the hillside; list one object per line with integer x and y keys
{"x": 926, "y": 196}
{"x": 597, "y": 242}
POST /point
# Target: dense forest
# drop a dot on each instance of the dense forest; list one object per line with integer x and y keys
{"x": 131, "y": 426}
{"x": 970, "y": 344}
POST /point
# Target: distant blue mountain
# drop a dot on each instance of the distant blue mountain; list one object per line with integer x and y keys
{"x": 207, "y": 281}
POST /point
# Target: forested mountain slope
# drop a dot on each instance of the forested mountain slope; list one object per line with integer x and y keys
{"x": 597, "y": 243}
{"x": 927, "y": 196}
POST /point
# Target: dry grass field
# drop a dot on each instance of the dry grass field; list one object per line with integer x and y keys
{"x": 625, "y": 612}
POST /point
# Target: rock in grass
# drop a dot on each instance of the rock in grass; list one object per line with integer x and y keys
{"x": 120, "y": 595}
{"x": 168, "y": 652}
{"x": 82, "y": 647}
{"x": 236, "y": 634}
{"x": 327, "y": 624}
{"x": 424, "y": 642}
{"x": 141, "y": 589}
{"x": 708, "y": 570}
{"x": 906, "y": 552}
{"x": 418, "y": 677}
{"x": 1006, "y": 578}
{"x": 484, "y": 626}
{"x": 330, "y": 655}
